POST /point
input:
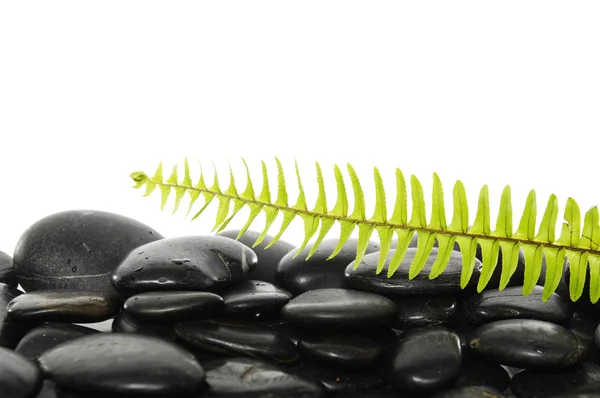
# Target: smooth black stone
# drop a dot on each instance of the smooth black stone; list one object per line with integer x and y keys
{"x": 366, "y": 278}
{"x": 45, "y": 337}
{"x": 425, "y": 360}
{"x": 7, "y": 270}
{"x": 184, "y": 263}
{"x": 77, "y": 249}
{"x": 173, "y": 306}
{"x": 532, "y": 384}
{"x": 238, "y": 338}
{"x": 344, "y": 350}
{"x": 10, "y": 331}
{"x": 299, "y": 275}
{"x": 527, "y": 343}
{"x": 249, "y": 298}
{"x": 340, "y": 381}
{"x": 251, "y": 378}
{"x": 413, "y": 312}
{"x": 126, "y": 323}
{"x": 328, "y": 308}
{"x": 107, "y": 363}
{"x": 474, "y": 372}
{"x": 74, "y": 306}
{"x": 19, "y": 377}
{"x": 470, "y": 392}
{"x": 510, "y": 303}
{"x": 267, "y": 259}
{"x": 284, "y": 328}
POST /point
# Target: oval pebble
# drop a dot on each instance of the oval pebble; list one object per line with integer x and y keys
{"x": 336, "y": 308}
{"x": 249, "y": 298}
{"x": 117, "y": 363}
{"x": 173, "y": 306}
{"x": 526, "y": 343}
{"x": 19, "y": 376}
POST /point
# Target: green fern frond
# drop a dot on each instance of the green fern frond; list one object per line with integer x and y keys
{"x": 579, "y": 244}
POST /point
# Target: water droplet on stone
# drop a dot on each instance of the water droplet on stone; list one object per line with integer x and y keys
{"x": 74, "y": 269}
{"x": 162, "y": 279}
{"x": 180, "y": 261}
{"x": 138, "y": 269}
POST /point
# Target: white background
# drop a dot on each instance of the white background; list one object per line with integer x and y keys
{"x": 486, "y": 92}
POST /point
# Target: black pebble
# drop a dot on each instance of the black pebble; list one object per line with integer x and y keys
{"x": 338, "y": 308}
{"x": 47, "y": 336}
{"x": 173, "y": 306}
{"x": 527, "y": 343}
{"x": 423, "y": 311}
{"x": 19, "y": 376}
{"x": 238, "y": 338}
{"x": 184, "y": 263}
{"x": 510, "y": 303}
{"x": 116, "y": 363}
{"x": 425, "y": 360}
{"x": 249, "y": 298}
{"x": 77, "y": 249}
{"x": 74, "y": 306}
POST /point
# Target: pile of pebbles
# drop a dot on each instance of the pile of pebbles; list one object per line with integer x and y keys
{"x": 95, "y": 304}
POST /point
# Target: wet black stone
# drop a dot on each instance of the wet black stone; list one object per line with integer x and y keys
{"x": 527, "y": 343}
{"x": 238, "y": 338}
{"x": 387, "y": 392}
{"x": 419, "y": 311}
{"x": 510, "y": 303}
{"x": 532, "y": 384}
{"x": 19, "y": 377}
{"x": 173, "y": 306}
{"x": 284, "y": 328}
{"x": 342, "y": 381}
{"x": 7, "y": 270}
{"x": 126, "y": 323}
{"x": 107, "y": 363}
{"x": 344, "y": 350}
{"x": 425, "y": 360}
{"x": 517, "y": 278}
{"x": 268, "y": 259}
{"x": 10, "y": 331}
{"x": 76, "y": 306}
{"x": 474, "y": 372}
{"x": 77, "y": 249}
{"x": 366, "y": 278}
{"x": 184, "y": 263}
{"x": 336, "y": 308}
{"x": 470, "y": 392}
{"x": 251, "y": 297}
{"x": 299, "y": 275}
{"x": 584, "y": 325}
{"x": 252, "y": 378}
{"x": 47, "y": 336}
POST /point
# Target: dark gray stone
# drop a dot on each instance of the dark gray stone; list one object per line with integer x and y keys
{"x": 366, "y": 278}
{"x": 126, "y": 323}
{"x": 47, "y": 336}
{"x": 268, "y": 259}
{"x": 19, "y": 377}
{"x": 73, "y": 306}
{"x": 249, "y": 298}
{"x": 337, "y": 308}
{"x": 107, "y": 363}
{"x": 425, "y": 360}
{"x": 527, "y": 343}
{"x": 173, "y": 306}
{"x": 238, "y": 338}
{"x": 77, "y": 249}
{"x": 299, "y": 275}
{"x": 510, "y": 303}
{"x": 184, "y": 263}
